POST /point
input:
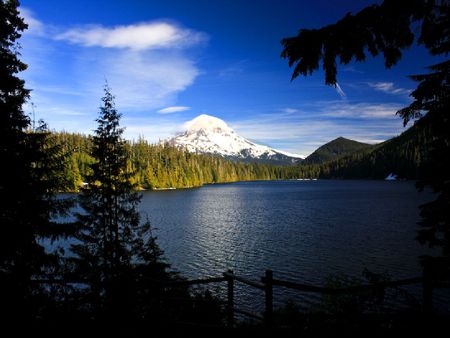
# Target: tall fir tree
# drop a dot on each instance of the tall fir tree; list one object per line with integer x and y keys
{"x": 29, "y": 178}
{"x": 114, "y": 250}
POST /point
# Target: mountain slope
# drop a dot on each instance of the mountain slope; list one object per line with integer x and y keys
{"x": 210, "y": 135}
{"x": 404, "y": 155}
{"x": 335, "y": 149}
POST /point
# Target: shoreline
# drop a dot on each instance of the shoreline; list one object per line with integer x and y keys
{"x": 289, "y": 179}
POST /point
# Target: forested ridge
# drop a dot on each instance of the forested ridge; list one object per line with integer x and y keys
{"x": 405, "y": 155}
{"x": 335, "y": 149}
{"x": 162, "y": 166}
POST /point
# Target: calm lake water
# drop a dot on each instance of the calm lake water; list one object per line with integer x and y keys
{"x": 304, "y": 231}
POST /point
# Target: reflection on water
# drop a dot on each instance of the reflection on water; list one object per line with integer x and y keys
{"x": 303, "y": 230}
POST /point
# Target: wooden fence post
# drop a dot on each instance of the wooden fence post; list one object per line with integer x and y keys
{"x": 269, "y": 297}
{"x": 230, "y": 298}
{"x": 427, "y": 285}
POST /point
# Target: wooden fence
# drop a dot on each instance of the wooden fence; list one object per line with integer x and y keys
{"x": 429, "y": 281}
{"x": 268, "y": 283}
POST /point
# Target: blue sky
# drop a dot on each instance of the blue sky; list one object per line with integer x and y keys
{"x": 169, "y": 61}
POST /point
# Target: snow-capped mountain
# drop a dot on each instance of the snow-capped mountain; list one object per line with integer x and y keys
{"x": 211, "y": 135}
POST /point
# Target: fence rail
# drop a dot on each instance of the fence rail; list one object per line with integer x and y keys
{"x": 267, "y": 283}
{"x": 346, "y": 290}
{"x": 198, "y": 281}
{"x": 230, "y": 274}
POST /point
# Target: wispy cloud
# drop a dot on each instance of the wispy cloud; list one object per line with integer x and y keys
{"x": 351, "y": 69}
{"x": 153, "y": 129}
{"x": 233, "y": 69}
{"x": 360, "y": 110}
{"x": 340, "y": 91}
{"x": 140, "y": 80}
{"x": 35, "y": 27}
{"x": 303, "y": 130}
{"x": 389, "y": 88}
{"x": 173, "y": 109}
{"x": 142, "y": 36}
{"x": 290, "y": 110}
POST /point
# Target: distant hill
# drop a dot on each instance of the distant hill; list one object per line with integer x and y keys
{"x": 335, "y": 149}
{"x": 404, "y": 155}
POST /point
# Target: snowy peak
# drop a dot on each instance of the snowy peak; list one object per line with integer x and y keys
{"x": 207, "y": 123}
{"x": 211, "y": 135}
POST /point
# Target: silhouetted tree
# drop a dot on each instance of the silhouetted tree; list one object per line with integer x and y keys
{"x": 115, "y": 251}
{"x": 432, "y": 104}
{"x": 388, "y": 29}
{"x": 29, "y": 177}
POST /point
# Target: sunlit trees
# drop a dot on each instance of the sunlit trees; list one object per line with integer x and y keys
{"x": 166, "y": 166}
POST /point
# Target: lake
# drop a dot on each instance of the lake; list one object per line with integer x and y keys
{"x": 304, "y": 231}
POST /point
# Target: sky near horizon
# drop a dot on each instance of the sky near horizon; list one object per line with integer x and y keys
{"x": 170, "y": 61}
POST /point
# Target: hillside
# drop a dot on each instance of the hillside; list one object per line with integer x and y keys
{"x": 335, "y": 149}
{"x": 404, "y": 155}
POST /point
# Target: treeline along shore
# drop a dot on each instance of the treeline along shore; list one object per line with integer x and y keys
{"x": 163, "y": 166}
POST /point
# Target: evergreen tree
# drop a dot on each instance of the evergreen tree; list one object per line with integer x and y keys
{"x": 114, "y": 248}
{"x": 432, "y": 104}
{"x": 30, "y": 174}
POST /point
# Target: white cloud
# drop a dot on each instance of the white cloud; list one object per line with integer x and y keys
{"x": 142, "y": 36}
{"x": 173, "y": 109}
{"x": 147, "y": 65}
{"x": 389, "y": 88}
{"x": 140, "y": 80}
